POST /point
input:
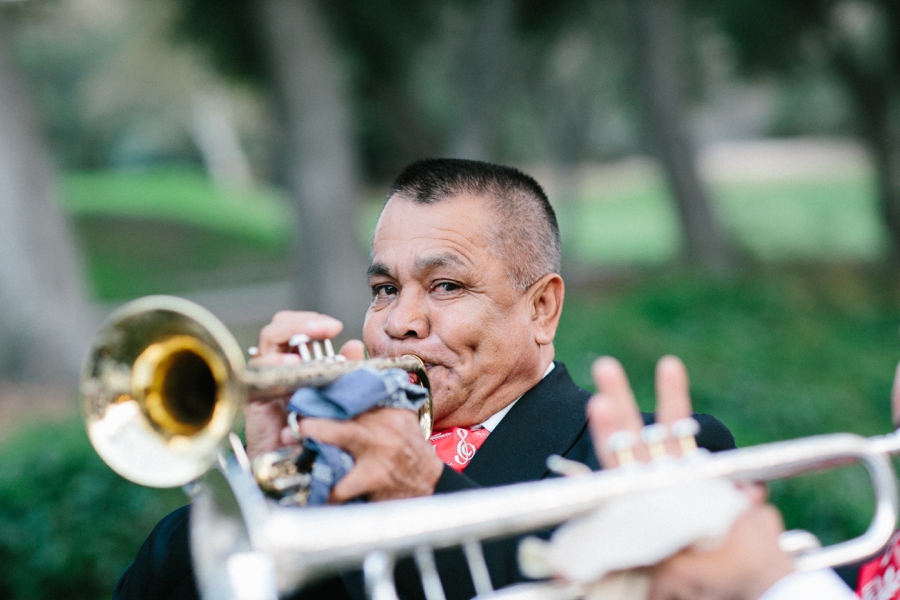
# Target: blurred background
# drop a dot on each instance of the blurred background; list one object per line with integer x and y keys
{"x": 726, "y": 175}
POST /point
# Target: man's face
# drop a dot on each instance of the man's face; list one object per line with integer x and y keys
{"x": 440, "y": 292}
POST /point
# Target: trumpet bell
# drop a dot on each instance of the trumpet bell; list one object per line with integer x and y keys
{"x": 159, "y": 390}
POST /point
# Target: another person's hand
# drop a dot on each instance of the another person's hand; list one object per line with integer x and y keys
{"x": 613, "y": 408}
{"x": 749, "y": 560}
{"x": 746, "y": 564}
{"x": 265, "y": 421}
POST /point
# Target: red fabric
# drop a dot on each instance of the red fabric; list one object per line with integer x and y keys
{"x": 456, "y": 446}
{"x": 879, "y": 579}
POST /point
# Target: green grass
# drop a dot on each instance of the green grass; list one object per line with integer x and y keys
{"x": 173, "y": 230}
{"x": 634, "y": 222}
{"x": 182, "y": 196}
{"x": 807, "y": 220}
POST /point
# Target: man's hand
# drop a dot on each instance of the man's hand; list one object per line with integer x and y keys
{"x": 265, "y": 420}
{"x": 393, "y": 459}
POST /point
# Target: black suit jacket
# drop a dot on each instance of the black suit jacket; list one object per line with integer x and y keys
{"x": 548, "y": 419}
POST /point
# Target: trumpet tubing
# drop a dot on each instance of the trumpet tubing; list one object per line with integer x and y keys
{"x": 308, "y": 544}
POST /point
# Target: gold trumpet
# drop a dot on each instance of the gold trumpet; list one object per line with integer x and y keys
{"x": 164, "y": 380}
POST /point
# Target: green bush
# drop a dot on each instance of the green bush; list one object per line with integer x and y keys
{"x": 775, "y": 355}
{"x": 69, "y": 526}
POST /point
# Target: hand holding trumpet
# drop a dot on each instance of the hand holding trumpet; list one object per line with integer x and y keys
{"x": 392, "y": 457}
{"x": 749, "y": 561}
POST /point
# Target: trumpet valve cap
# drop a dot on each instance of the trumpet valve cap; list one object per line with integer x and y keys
{"x": 686, "y": 431}
{"x": 621, "y": 443}
{"x": 654, "y": 436}
{"x": 298, "y": 340}
{"x": 301, "y": 341}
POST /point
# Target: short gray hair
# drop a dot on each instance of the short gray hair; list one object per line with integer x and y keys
{"x": 525, "y": 235}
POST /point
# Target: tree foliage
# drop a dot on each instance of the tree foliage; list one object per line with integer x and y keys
{"x": 855, "y": 41}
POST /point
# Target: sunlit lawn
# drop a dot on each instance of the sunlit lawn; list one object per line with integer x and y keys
{"x": 636, "y": 223}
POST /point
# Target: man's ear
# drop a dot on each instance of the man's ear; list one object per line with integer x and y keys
{"x": 546, "y": 306}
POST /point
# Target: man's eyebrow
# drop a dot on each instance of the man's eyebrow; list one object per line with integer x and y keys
{"x": 420, "y": 265}
{"x": 440, "y": 260}
{"x": 378, "y": 269}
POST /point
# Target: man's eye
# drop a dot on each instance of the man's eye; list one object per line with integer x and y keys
{"x": 384, "y": 289}
{"x": 448, "y": 286}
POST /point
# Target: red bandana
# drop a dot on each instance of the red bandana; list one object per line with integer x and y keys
{"x": 879, "y": 579}
{"x": 456, "y": 446}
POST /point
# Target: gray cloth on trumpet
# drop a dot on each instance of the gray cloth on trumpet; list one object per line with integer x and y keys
{"x": 350, "y": 395}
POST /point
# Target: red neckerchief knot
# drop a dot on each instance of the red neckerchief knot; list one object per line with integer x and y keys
{"x": 456, "y": 446}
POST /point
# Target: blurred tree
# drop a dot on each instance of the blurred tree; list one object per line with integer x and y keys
{"x": 485, "y": 64}
{"x": 858, "y": 41}
{"x": 466, "y": 109}
{"x": 288, "y": 46}
{"x": 320, "y": 162}
{"x": 45, "y": 319}
{"x": 657, "y": 25}
{"x": 652, "y": 31}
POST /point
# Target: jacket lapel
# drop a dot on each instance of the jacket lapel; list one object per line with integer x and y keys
{"x": 548, "y": 419}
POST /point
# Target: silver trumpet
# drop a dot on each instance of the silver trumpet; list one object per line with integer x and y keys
{"x": 246, "y": 545}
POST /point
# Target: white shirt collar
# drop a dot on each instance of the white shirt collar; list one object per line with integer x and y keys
{"x": 491, "y": 422}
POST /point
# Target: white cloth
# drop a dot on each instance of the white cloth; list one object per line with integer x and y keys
{"x": 636, "y": 530}
{"x": 810, "y": 585}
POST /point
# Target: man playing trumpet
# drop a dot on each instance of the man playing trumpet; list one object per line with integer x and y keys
{"x": 465, "y": 275}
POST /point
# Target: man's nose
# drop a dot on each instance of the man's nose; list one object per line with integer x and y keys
{"x": 408, "y": 316}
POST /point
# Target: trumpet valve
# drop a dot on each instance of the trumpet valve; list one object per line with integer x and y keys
{"x": 655, "y": 436}
{"x": 621, "y": 443}
{"x": 685, "y": 431}
{"x": 285, "y": 474}
{"x": 313, "y": 350}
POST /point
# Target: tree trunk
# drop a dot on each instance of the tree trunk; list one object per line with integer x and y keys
{"x": 45, "y": 317}
{"x": 656, "y": 24}
{"x": 320, "y": 163}
{"x": 484, "y": 67}
{"x": 871, "y": 93}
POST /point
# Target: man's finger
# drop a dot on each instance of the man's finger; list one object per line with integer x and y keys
{"x": 274, "y": 337}
{"x": 354, "y": 484}
{"x": 346, "y": 435}
{"x": 353, "y": 350}
{"x": 612, "y": 382}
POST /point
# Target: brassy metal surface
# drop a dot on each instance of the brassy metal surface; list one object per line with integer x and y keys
{"x": 159, "y": 391}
